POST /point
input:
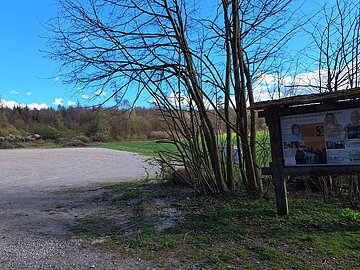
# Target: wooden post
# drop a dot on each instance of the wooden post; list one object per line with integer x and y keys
{"x": 273, "y": 122}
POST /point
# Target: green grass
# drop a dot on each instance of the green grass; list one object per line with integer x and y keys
{"x": 152, "y": 148}
{"x": 231, "y": 231}
{"x": 149, "y": 148}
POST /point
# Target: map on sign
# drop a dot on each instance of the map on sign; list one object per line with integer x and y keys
{"x": 321, "y": 138}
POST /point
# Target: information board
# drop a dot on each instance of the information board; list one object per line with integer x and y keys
{"x": 321, "y": 138}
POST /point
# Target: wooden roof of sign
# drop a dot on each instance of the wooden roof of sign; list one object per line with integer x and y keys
{"x": 349, "y": 94}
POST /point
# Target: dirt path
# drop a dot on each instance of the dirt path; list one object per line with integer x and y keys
{"x": 34, "y": 183}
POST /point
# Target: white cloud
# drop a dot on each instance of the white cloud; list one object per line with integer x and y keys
{"x": 270, "y": 86}
{"x": 8, "y": 103}
{"x": 175, "y": 99}
{"x": 13, "y": 92}
{"x": 267, "y": 78}
{"x": 100, "y": 92}
{"x": 274, "y": 86}
{"x": 70, "y": 103}
{"x": 58, "y": 101}
{"x": 84, "y": 96}
{"x": 37, "y": 106}
{"x": 31, "y": 106}
{"x": 29, "y": 93}
{"x": 264, "y": 92}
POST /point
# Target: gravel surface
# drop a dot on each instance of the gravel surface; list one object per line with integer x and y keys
{"x": 34, "y": 182}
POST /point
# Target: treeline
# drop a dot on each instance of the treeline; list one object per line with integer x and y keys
{"x": 96, "y": 124}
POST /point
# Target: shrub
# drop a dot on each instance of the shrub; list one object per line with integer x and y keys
{"x": 99, "y": 137}
{"x": 135, "y": 137}
{"x": 74, "y": 143}
{"x": 46, "y": 132}
{"x": 7, "y": 129}
{"x": 158, "y": 135}
{"x": 350, "y": 214}
{"x": 68, "y": 133}
{"x": 83, "y": 138}
{"x": 9, "y": 145}
{"x": 3, "y": 119}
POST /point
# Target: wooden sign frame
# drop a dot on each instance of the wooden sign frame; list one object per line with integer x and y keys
{"x": 273, "y": 110}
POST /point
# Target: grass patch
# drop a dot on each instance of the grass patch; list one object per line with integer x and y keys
{"x": 228, "y": 231}
{"x": 94, "y": 226}
{"x": 152, "y": 148}
{"x": 148, "y": 148}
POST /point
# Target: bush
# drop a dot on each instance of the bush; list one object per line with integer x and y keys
{"x": 7, "y": 129}
{"x": 158, "y": 135}
{"x": 350, "y": 214}
{"x": 74, "y": 143}
{"x": 46, "y": 132}
{"x": 99, "y": 137}
{"x": 9, "y": 145}
{"x": 60, "y": 140}
{"x": 83, "y": 138}
{"x": 3, "y": 119}
{"x": 68, "y": 133}
{"x": 135, "y": 137}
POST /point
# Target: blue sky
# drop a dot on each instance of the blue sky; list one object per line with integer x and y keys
{"x": 26, "y": 77}
{"x": 24, "y": 72}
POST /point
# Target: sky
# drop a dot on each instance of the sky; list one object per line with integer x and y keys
{"x": 26, "y": 76}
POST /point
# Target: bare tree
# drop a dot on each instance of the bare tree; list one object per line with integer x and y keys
{"x": 336, "y": 46}
{"x": 184, "y": 57}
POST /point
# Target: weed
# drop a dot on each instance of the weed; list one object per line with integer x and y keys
{"x": 232, "y": 230}
{"x": 143, "y": 205}
{"x": 220, "y": 258}
{"x": 350, "y": 214}
{"x": 94, "y": 226}
{"x": 132, "y": 194}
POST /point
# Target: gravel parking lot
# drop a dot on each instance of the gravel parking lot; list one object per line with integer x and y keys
{"x": 33, "y": 235}
{"x": 24, "y": 169}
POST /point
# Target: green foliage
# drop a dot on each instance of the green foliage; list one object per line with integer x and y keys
{"x": 82, "y": 138}
{"x": 103, "y": 127}
{"x": 124, "y": 186}
{"x": 350, "y": 214}
{"x": 60, "y": 124}
{"x": 263, "y": 153}
{"x": 3, "y": 119}
{"x": 135, "y": 137}
{"x": 51, "y": 133}
{"x": 99, "y": 124}
{"x": 221, "y": 258}
{"x": 231, "y": 231}
{"x": 131, "y": 194}
{"x": 94, "y": 226}
{"x": 45, "y": 131}
{"x": 149, "y": 148}
{"x": 101, "y": 137}
{"x": 7, "y": 129}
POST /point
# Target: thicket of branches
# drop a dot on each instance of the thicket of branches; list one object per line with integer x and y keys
{"x": 335, "y": 45}
{"x": 198, "y": 61}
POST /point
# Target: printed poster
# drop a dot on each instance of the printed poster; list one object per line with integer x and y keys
{"x": 321, "y": 138}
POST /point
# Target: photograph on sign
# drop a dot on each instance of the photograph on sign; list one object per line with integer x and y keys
{"x": 321, "y": 138}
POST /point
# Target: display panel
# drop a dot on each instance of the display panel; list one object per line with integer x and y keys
{"x": 321, "y": 138}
